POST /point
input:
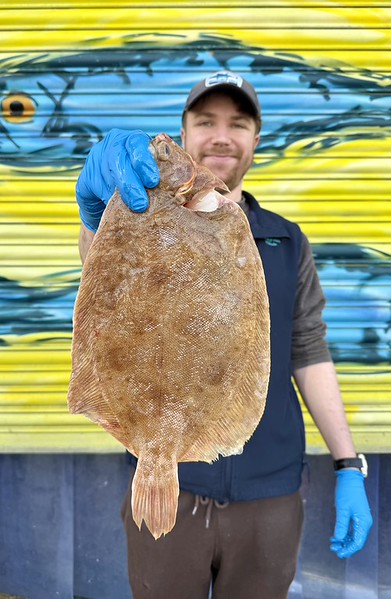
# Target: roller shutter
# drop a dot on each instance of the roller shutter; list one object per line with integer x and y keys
{"x": 69, "y": 74}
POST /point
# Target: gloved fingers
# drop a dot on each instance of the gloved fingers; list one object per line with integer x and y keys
{"x": 106, "y": 168}
{"x": 343, "y": 551}
{"x": 130, "y": 187}
{"x": 339, "y": 547}
{"x": 361, "y": 528}
{"x": 342, "y": 524}
{"x": 91, "y": 206}
{"x": 95, "y": 183}
{"x": 94, "y": 197}
{"x": 121, "y": 159}
{"x": 141, "y": 158}
{"x": 354, "y": 541}
{"x": 99, "y": 171}
{"x": 349, "y": 547}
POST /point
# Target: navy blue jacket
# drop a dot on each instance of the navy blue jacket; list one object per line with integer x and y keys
{"x": 271, "y": 462}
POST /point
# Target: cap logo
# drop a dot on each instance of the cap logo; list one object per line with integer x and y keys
{"x": 224, "y": 77}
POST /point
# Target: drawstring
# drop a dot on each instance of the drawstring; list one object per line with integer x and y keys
{"x": 209, "y": 502}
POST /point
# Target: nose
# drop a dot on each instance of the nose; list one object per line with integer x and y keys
{"x": 222, "y": 135}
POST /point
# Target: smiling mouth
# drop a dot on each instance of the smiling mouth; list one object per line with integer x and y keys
{"x": 220, "y": 156}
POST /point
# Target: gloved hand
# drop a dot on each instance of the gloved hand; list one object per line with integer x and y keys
{"x": 123, "y": 160}
{"x": 354, "y": 518}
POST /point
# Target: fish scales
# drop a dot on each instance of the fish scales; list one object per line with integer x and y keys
{"x": 171, "y": 343}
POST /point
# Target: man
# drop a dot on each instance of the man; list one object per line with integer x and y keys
{"x": 240, "y": 519}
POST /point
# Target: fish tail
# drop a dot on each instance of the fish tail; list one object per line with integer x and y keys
{"x": 155, "y": 491}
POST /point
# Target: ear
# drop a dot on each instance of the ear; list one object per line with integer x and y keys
{"x": 183, "y": 137}
{"x": 256, "y": 140}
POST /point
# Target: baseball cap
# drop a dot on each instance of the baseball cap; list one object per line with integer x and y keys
{"x": 224, "y": 80}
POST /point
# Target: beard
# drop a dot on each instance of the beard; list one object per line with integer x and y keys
{"x": 231, "y": 174}
{"x": 234, "y": 178}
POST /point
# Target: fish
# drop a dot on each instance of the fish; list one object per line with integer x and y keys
{"x": 171, "y": 342}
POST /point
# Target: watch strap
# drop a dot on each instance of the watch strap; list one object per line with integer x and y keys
{"x": 348, "y": 463}
{"x": 359, "y": 462}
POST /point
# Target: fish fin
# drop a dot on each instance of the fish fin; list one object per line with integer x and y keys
{"x": 155, "y": 491}
{"x": 85, "y": 394}
{"x": 92, "y": 405}
{"x": 229, "y": 435}
{"x": 227, "y": 438}
{"x": 198, "y": 452}
{"x": 84, "y": 391}
{"x": 85, "y": 397}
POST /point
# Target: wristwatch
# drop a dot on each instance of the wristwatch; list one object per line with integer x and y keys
{"x": 359, "y": 462}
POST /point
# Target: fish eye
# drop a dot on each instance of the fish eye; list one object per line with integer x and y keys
{"x": 163, "y": 151}
{"x": 18, "y": 108}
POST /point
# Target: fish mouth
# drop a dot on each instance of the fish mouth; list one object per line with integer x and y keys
{"x": 210, "y": 201}
{"x": 186, "y": 187}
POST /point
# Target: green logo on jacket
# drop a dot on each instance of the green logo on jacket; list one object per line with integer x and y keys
{"x": 272, "y": 241}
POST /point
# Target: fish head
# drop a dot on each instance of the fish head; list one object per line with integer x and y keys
{"x": 180, "y": 174}
{"x": 177, "y": 168}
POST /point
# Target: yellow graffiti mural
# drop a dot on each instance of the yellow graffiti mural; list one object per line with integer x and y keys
{"x": 67, "y": 75}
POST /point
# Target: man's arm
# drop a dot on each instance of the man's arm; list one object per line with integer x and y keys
{"x": 85, "y": 239}
{"x": 319, "y": 389}
{"x": 315, "y": 376}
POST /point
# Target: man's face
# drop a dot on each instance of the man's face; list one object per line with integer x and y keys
{"x": 218, "y": 135}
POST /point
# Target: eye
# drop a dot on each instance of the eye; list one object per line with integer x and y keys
{"x": 18, "y": 108}
{"x": 163, "y": 151}
{"x": 239, "y": 125}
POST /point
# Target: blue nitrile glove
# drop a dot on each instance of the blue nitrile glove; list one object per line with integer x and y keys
{"x": 123, "y": 160}
{"x": 354, "y": 518}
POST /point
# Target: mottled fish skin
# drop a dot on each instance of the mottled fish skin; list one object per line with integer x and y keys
{"x": 171, "y": 345}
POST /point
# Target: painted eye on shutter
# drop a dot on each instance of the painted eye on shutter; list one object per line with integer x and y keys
{"x": 17, "y": 108}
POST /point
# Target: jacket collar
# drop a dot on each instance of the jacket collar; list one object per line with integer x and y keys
{"x": 264, "y": 223}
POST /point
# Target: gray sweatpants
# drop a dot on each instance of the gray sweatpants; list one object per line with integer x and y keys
{"x": 247, "y": 549}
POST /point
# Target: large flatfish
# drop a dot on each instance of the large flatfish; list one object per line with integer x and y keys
{"x": 171, "y": 349}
